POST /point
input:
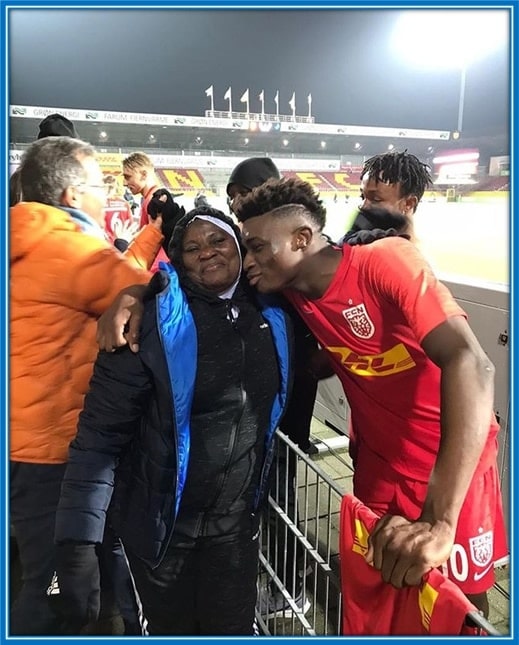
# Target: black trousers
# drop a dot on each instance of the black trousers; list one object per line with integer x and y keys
{"x": 204, "y": 586}
{"x": 34, "y": 495}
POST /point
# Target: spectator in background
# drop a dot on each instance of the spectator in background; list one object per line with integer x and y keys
{"x": 57, "y": 125}
{"x": 250, "y": 173}
{"x": 54, "y": 125}
{"x": 128, "y": 197}
{"x": 63, "y": 274}
{"x": 392, "y": 184}
{"x": 201, "y": 200}
{"x": 139, "y": 176}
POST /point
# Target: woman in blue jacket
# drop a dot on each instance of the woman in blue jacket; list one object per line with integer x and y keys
{"x": 178, "y": 440}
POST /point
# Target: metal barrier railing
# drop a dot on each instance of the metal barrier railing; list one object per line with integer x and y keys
{"x": 299, "y": 554}
{"x": 298, "y": 586}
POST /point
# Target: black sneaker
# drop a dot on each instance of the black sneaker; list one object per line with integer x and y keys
{"x": 310, "y": 449}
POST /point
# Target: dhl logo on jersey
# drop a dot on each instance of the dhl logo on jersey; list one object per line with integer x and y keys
{"x": 394, "y": 360}
{"x": 426, "y": 601}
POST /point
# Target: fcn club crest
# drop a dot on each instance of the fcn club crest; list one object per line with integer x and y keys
{"x": 359, "y": 321}
{"x": 482, "y": 548}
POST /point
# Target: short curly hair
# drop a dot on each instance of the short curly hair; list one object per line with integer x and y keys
{"x": 281, "y": 195}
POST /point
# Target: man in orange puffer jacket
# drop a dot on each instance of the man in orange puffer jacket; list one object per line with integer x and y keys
{"x": 63, "y": 275}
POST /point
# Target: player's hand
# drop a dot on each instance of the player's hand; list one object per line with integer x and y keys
{"x": 404, "y": 551}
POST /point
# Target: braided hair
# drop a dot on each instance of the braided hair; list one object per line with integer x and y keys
{"x": 399, "y": 168}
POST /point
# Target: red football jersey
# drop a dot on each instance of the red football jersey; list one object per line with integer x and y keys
{"x": 372, "y": 607}
{"x": 118, "y": 219}
{"x": 144, "y": 217}
{"x": 382, "y": 301}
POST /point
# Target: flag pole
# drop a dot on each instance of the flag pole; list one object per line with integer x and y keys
{"x": 228, "y": 97}
{"x": 292, "y": 104}
{"x": 245, "y": 99}
{"x": 209, "y": 92}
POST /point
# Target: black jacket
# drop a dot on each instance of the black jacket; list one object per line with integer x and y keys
{"x": 187, "y": 424}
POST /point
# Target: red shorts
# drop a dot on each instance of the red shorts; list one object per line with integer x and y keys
{"x": 480, "y": 536}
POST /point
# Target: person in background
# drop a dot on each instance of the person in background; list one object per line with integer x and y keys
{"x": 182, "y": 432}
{"x": 250, "y": 173}
{"x": 201, "y": 200}
{"x": 392, "y": 186}
{"x": 63, "y": 274}
{"x": 419, "y": 385}
{"x": 56, "y": 125}
{"x": 53, "y": 125}
{"x": 139, "y": 176}
{"x": 128, "y": 197}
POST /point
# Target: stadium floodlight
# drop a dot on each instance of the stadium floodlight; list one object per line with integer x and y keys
{"x": 450, "y": 38}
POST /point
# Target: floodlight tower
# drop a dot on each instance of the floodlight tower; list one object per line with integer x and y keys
{"x": 457, "y": 38}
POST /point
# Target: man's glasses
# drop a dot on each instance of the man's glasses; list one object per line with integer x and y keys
{"x": 104, "y": 188}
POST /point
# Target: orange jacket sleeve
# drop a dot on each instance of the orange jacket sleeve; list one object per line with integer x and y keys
{"x": 96, "y": 276}
{"x": 143, "y": 249}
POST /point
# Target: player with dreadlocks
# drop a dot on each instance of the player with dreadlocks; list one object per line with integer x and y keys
{"x": 393, "y": 182}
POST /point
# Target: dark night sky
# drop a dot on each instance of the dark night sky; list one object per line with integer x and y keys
{"x": 161, "y": 61}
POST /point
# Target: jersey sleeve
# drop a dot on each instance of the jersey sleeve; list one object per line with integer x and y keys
{"x": 398, "y": 272}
